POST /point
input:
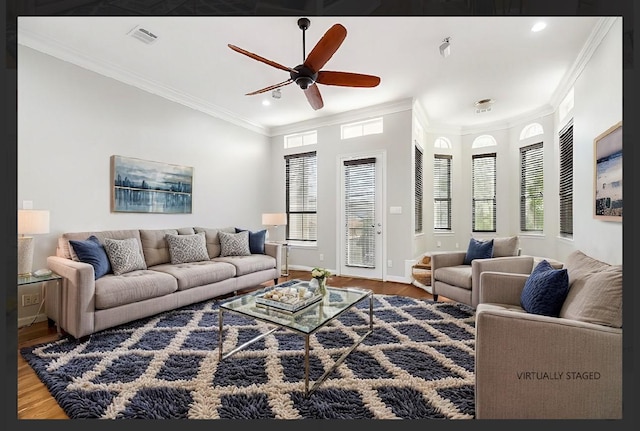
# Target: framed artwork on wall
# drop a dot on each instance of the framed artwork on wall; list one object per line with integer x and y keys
{"x": 607, "y": 155}
{"x": 143, "y": 186}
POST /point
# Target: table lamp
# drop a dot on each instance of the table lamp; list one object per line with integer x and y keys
{"x": 274, "y": 220}
{"x": 30, "y": 222}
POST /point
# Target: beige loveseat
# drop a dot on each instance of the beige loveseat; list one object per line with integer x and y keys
{"x": 534, "y": 366}
{"x": 89, "y": 305}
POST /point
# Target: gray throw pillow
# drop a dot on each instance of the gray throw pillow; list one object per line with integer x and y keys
{"x": 234, "y": 244}
{"x": 124, "y": 254}
{"x": 187, "y": 248}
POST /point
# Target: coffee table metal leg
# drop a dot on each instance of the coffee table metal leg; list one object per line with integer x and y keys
{"x": 220, "y": 333}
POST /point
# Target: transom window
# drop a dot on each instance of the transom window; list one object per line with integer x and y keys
{"x": 361, "y": 128}
{"x": 484, "y": 141}
{"x": 442, "y": 142}
{"x": 301, "y": 139}
{"x": 533, "y": 129}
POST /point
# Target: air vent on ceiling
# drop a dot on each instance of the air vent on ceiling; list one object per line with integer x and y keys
{"x": 143, "y": 34}
{"x": 483, "y": 105}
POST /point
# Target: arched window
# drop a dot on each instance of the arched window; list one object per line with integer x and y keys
{"x": 442, "y": 142}
{"x": 484, "y": 141}
{"x": 530, "y": 130}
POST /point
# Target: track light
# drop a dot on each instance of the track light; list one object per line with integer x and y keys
{"x": 445, "y": 47}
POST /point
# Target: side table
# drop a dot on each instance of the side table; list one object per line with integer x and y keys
{"x": 24, "y": 280}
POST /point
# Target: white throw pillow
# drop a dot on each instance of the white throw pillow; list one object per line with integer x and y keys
{"x": 124, "y": 254}
{"x": 187, "y": 248}
{"x": 234, "y": 244}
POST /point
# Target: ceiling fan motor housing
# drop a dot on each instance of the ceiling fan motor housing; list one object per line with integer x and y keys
{"x": 304, "y": 76}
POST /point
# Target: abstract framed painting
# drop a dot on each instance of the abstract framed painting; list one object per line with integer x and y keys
{"x": 607, "y": 155}
{"x": 143, "y": 186}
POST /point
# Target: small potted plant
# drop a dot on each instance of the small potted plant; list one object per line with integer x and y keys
{"x": 320, "y": 275}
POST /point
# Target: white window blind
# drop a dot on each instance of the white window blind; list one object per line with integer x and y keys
{"x": 531, "y": 188}
{"x": 442, "y": 192}
{"x": 301, "y": 196}
{"x": 360, "y": 215}
{"x": 484, "y": 192}
{"x": 566, "y": 180}
{"x": 418, "y": 189}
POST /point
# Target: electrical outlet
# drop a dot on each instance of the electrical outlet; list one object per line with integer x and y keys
{"x": 438, "y": 244}
{"x": 26, "y": 300}
{"x": 457, "y": 245}
{"x": 321, "y": 257}
{"x": 390, "y": 263}
{"x": 35, "y": 298}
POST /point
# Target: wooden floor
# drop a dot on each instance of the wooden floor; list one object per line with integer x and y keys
{"x": 35, "y": 402}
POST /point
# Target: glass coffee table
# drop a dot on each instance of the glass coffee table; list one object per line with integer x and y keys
{"x": 305, "y": 321}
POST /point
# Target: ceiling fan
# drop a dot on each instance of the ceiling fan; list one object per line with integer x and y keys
{"x": 309, "y": 73}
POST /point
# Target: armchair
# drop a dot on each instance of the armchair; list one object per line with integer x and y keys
{"x": 458, "y": 281}
{"x": 532, "y": 366}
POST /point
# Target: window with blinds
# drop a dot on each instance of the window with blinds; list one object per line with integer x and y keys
{"x": 302, "y": 196}
{"x": 531, "y": 188}
{"x": 360, "y": 214}
{"x": 418, "y": 189}
{"x": 483, "y": 192}
{"x": 442, "y": 192}
{"x": 566, "y": 180}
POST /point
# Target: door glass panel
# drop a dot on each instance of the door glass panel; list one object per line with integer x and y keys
{"x": 360, "y": 214}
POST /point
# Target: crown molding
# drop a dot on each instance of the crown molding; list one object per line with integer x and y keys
{"x": 63, "y": 52}
{"x": 344, "y": 117}
{"x": 600, "y": 30}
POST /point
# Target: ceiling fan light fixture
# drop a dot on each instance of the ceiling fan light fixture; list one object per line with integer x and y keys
{"x": 445, "y": 47}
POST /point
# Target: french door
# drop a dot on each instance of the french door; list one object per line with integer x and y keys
{"x": 361, "y": 242}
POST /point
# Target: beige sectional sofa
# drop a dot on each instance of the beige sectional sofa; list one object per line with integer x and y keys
{"x": 87, "y": 304}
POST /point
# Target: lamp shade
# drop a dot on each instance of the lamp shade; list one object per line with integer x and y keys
{"x": 274, "y": 219}
{"x": 33, "y": 222}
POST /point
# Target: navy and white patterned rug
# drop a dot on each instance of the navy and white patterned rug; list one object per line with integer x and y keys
{"x": 418, "y": 363}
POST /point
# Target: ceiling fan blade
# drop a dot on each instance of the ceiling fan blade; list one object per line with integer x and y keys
{"x": 326, "y": 47}
{"x": 313, "y": 96}
{"x": 271, "y": 87}
{"x": 262, "y": 59}
{"x": 347, "y": 79}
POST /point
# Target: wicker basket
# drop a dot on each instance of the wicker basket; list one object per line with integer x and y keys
{"x": 421, "y": 271}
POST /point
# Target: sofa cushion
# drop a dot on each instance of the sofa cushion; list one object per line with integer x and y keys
{"x": 213, "y": 240}
{"x": 459, "y": 275}
{"x": 506, "y": 246}
{"x": 131, "y": 287}
{"x": 234, "y": 244}
{"x": 248, "y": 264}
{"x": 194, "y": 274}
{"x": 125, "y": 255}
{"x": 154, "y": 245}
{"x": 595, "y": 291}
{"x": 92, "y": 252}
{"x": 478, "y": 250}
{"x": 187, "y": 248}
{"x": 256, "y": 240}
{"x": 545, "y": 290}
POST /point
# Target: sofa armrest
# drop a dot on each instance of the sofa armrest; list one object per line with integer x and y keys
{"x": 501, "y": 287}
{"x": 532, "y": 366}
{"x": 274, "y": 249}
{"x": 446, "y": 258}
{"x": 76, "y": 312}
{"x": 509, "y": 264}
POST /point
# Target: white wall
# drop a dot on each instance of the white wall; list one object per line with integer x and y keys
{"x": 70, "y": 121}
{"x": 396, "y": 142}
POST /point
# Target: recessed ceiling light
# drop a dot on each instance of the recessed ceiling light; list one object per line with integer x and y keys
{"x": 265, "y": 102}
{"x": 538, "y": 26}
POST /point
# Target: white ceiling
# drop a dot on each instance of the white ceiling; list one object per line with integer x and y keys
{"x": 491, "y": 57}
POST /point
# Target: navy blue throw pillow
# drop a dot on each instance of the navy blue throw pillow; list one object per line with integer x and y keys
{"x": 545, "y": 290}
{"x": 478, "y": 250}
{"x": 92, "y": 252}
{"x": 256, "y": 240}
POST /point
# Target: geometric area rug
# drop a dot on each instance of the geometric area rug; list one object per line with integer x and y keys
{"x": 418, "y": 363}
